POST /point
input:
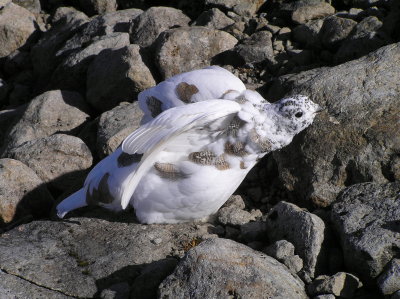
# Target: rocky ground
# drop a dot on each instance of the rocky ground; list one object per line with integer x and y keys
{"x": 318, "y": 219}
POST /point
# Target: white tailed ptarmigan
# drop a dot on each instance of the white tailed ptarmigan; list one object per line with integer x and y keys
{"x": 201, "y": 134}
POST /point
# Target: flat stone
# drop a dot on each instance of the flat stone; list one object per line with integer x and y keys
{"x": 256, "y": 48}
{"x": 389, "y": 280}
{"x": 341, "y": 284}
{"x": 280, "y": 249}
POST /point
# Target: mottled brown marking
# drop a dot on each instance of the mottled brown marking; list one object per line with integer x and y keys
{"x": 101, "y": 194}
{"x": 241, "y": 99}
{"x": 168, "y": 171}
{"x": 154, "y": 106}
{"x": 185, "y": 91}
{"x": 125, "y": 159}
{"x": 220, "y": 163}
{"x": 235, "y": 149}
{"x": 265, "y": 145}
{"x": 242, "y": 166}
{"x": 203, "y": 157}
{"x": 234, "y": 126}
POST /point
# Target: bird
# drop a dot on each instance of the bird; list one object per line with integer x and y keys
{"x": 201, "y": 133}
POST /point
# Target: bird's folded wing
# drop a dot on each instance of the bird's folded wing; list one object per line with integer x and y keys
{"x": 153, "y": 137}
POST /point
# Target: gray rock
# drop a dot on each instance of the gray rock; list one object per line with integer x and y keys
{"x": 22, "y": 192}
{"x": 350, "y": 142}
{"x": 301, "y": 11}
{"x": 235, "y": 201}
{"x": 308, "y": 33}
{"x": 32, "y": 5}
{"x": 256, "y": 48}
{"x": 12, "y": 286}
{"x": 221, "y": 268}
{"x": 213, "y": 18}
{"x": 61, "y": 160}
{"x": 117, "y": 75}
{"x": 17, "y": 27}
{"x": 280, "y": 249}
{"x": 183, "y": 49}
{"x": 118, "y": 290}
{"x": 17, "y": 62}
{"x": 82, "y": 257}
{"x": 303, "y": 229}
{"x": 7, "y": 119}
{"x": 51, "y": 112}
{"x": 389, "y": 280}
{"x": 341, "y": 284}
{"x": 146, "y": 284}
{"x": 89, "y": 32}
{"x": 234, "y": 216}
{"x": 243, "y": 8}
{"x": 366, "y": 218}
{"x": 254, "y": 231}
{"x": 66, "y": 21}
{"x": 98, "y": 7}
{"x": 115, "y": 125}
{"x": 366, "y": 37}
{"x": 335, "y": 29}
{"x": 294, "y": 263}
{"x": 71, "y": 73}
{"x": 146, "y": 28}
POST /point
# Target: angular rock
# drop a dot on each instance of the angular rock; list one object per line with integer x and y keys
{"x": 71, "y": 73}
{"x": 98, "y": 7}
{"x": 303, "y": 229}
{"x": 294, "y": 263}
{"x": 17, "y": 27}
{"x": 341, "y": 284}
{"x": 256, "y": 48}
{"x": 115, "y": 125}
{"x": 301, "y": 11}
{"x": 117, "y": 75}
{"x": 66, "y": 21}
{"x": 243, "y": 8}
{"x": 213, "y": 18}
{"x": 356, "y": 139}
{"x": 366, "y": 217}
{"x": 183, "y": 49}
{"x": 235, "y": 216}
{"x": 51, "y": 112}
{"x": 280, "y": 249}
{"x": 146, "y": 28}
{"x": 335, "y": 29}
{"x": 22, "y": 192}
{"x": 61, "y": 160}
{"x": 366, "y": 37}
{"x": 221, "y": 268}
{"x": 82, "y": 257}
{"x": 389, "y": 280}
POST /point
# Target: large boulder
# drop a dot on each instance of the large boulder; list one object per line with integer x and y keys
{"x": 183, "y": 49}
{"x": 84, "y": 257}
{"x": 51, "y": 112}
{"x": 17, "y": 27}
{"x": 147, "y": 27}
{"x": 366, "y": 218}
{"x": 117, "y": 75}
{"x": 356, "y": 139}
{"x": 61, "y": 160}
{"x": 222, "y": 268}
{"x": 22, "y": 192}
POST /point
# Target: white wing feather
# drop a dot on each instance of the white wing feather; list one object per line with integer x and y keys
{"x": 154, "y": 136}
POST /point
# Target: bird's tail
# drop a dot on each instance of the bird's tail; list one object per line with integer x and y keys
{"x": 72, "y": 202}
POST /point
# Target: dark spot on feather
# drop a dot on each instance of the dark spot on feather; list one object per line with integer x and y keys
{"x": 235, "y": 149}
{"x": 154, "y": 106}
{"x": 220, "y": 163}
{"x": 202, "y": 158}
{"x": 101, "y": 194}
{"x": 125, "y": 159}
{"x": 185, "y": 91}
{"x": 234, "y": 126}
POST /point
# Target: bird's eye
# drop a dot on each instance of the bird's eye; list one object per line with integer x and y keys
{"x": 299, "y": 114}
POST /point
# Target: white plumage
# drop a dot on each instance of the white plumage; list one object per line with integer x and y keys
{"x": 201, "y": 134}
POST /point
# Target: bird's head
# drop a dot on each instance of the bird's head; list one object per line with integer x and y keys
{"x": 296, "y": 113}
